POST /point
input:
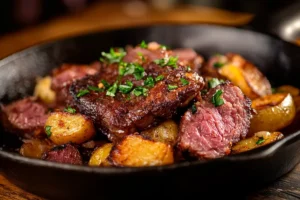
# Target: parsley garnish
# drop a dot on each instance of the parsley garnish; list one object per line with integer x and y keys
{"x": 260, "y": 140}
{"x": 214, "y": 82}
{"x": 48, "y": 130}
{"x": 172, "y": 87}
{"x": 218, "y": 65}
{"x": 139, "y": 72}
{"x": 138, "y": 91}
{"x": 170, "y": 61}
{"x": 184, "y": 81}
{"x": 194, "y": 109}
{"x": 126, "y": 88}
{"x": 149, "y": 81}
{"x": 216, "y": 99}
{"x": 131, "y": 68}
{"x": 188, "y": 68}
{"x": 159, "y": 78}
{"x": 70, "y": 110}
{"x": 112, "y": 90}
{"x": 140, "y": 54}
{"x": 163, "y": 47}
{"x": 105, "y": 83}
{"x": 82, "y": 93}
{"x": 144, "y": 45}
{"x": 113, "y": 56}
{"x": 95, "y": 89}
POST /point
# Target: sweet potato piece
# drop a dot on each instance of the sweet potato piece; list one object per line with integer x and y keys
{"x": 258, "y": 139}
{"x": 274, "y": 112}
{"x": 100, "y": 155}
{"x": 136, "y": 151}
{"x": 63, "y": 128}
{"x": 166, "y": 132}
{"x": 43, "y": 90}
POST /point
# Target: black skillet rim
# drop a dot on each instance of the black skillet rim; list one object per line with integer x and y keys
{"x": 259, "y": 153}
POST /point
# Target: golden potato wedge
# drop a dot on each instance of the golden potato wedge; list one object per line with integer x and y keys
{"x": 166, "y": 132}
{"x": 62, "y": 127}
{"x": 35, "y": 148}
{"x": 136, "y": 151}
{"x": 99, "y": 156}
{"x": 274, "y": 112}
{"x": 245, "y": 75}
{"x": 258, "y": 139}
{"x": 288, "y": 89}
{"x": 43, "y": 90}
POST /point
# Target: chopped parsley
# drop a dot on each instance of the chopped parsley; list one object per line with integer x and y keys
{"x": 144, "y": 45}
{"x": 105, "y": 83}
{"x": 184, "y": 81}
{"x": 217, "y": 99}
{"x": 132, "y": 68}
{"x": 168, "y": 61}
{"x": 194, "y": 109}
{"x": 138, "y": 91}
{"x": 149, "y": 81}
{"x": 48, "y": 130}
{"x": 140, "y": 54}
{"x": 126, "y": 88}
{"x": 188, "y": 68}
{"x": 82, "y": 93}
{"x": 70, "y": 110}
{"x": 218, "y": 65}
{"x": 139, "y": 72}
{"x": 212, "y": 83}
{"x": 112, "y": 90}
{"x": 113, "y": 56}
{"x": 172, "y": 87}
{"x": 163, "y": 47}
{"x": 260, "y": 140}
{"x": 95, "y": 89}
{"x": 159, "y": 78}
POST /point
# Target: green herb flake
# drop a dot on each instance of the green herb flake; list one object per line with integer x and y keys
{"x": 112, "y": 90}
{"x": 126, "y": 88}
{"x": 217, "y": 99}
{"x": 218, "y": 65}
{"x": 82, "y": 92}
{"x": 159, "y": 78}
{"x": 139, "y": 72}
{"x": 95, "y": 89}
{"x": 172, "y": 87}
{"x": 48, "y": 131}
{"x": 105, "y": 83}
{"x": 170, "y": 61}
{"x": 184, "y": 81}
{"x": 149, "y": 81}
{"x": 140, "y": 54}
{"x": 113, "y": 56}
{"x": 138, "y": 91}
{"x": 188, "y": 68}
{"x": 194, "y": 109}
{"x": 260, "y": 140}
{"x": 214, "y": 82}
{"x": 144, "y": 45}
{"x": 70, "y": 110}
{"x": 163, "y": 47}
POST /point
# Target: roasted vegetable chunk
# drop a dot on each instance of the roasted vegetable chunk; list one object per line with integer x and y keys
{"x": 136, "y": 151}
{"x": 100, "y": 155}
{"x": 35, "y": 148}
{"x": 43, "y": 90}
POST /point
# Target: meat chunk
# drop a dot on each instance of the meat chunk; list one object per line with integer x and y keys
{"x": 67, "y": 153}
{"x": 209, "y": 132}
{"x": 127, "y": 113}
{"x": 25, "y": 117}
{"x": 63, "y": 76}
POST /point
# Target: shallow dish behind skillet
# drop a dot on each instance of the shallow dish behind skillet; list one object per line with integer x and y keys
{"x": 278, "y": 60}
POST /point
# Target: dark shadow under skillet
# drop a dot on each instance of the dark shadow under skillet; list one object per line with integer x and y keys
{"x": 231, "y": 175}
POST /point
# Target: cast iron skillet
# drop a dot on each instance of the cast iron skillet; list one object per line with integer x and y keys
{"x": 279, "y": 60}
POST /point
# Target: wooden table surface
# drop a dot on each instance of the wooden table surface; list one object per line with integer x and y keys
{"x": 109, "y": 16}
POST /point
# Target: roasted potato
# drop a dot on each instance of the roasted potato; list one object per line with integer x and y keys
{"x": 245, "y": 75}
{"x": 136, "y": 151}
{"x": 166, "y": 132}
{"x": 43, "y": 90}
{"x": 288, "y": 89}
{"x": 258, "y": 139}
{"x": 35, "y": 148}
{"x": 274, "y": 112}
{"x": 62, "y": 127}
{"x": 99, "y": 156}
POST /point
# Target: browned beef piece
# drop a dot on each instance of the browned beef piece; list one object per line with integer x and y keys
{"x": 210, "y": 131}
{"x": 66, "y": 153}
{"x": 127, "y": 113}
{"x": 25, "y": 117}
{"x": 63, "y": 76}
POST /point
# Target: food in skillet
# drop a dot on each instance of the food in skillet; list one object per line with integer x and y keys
{"x": 148, "y": 105}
